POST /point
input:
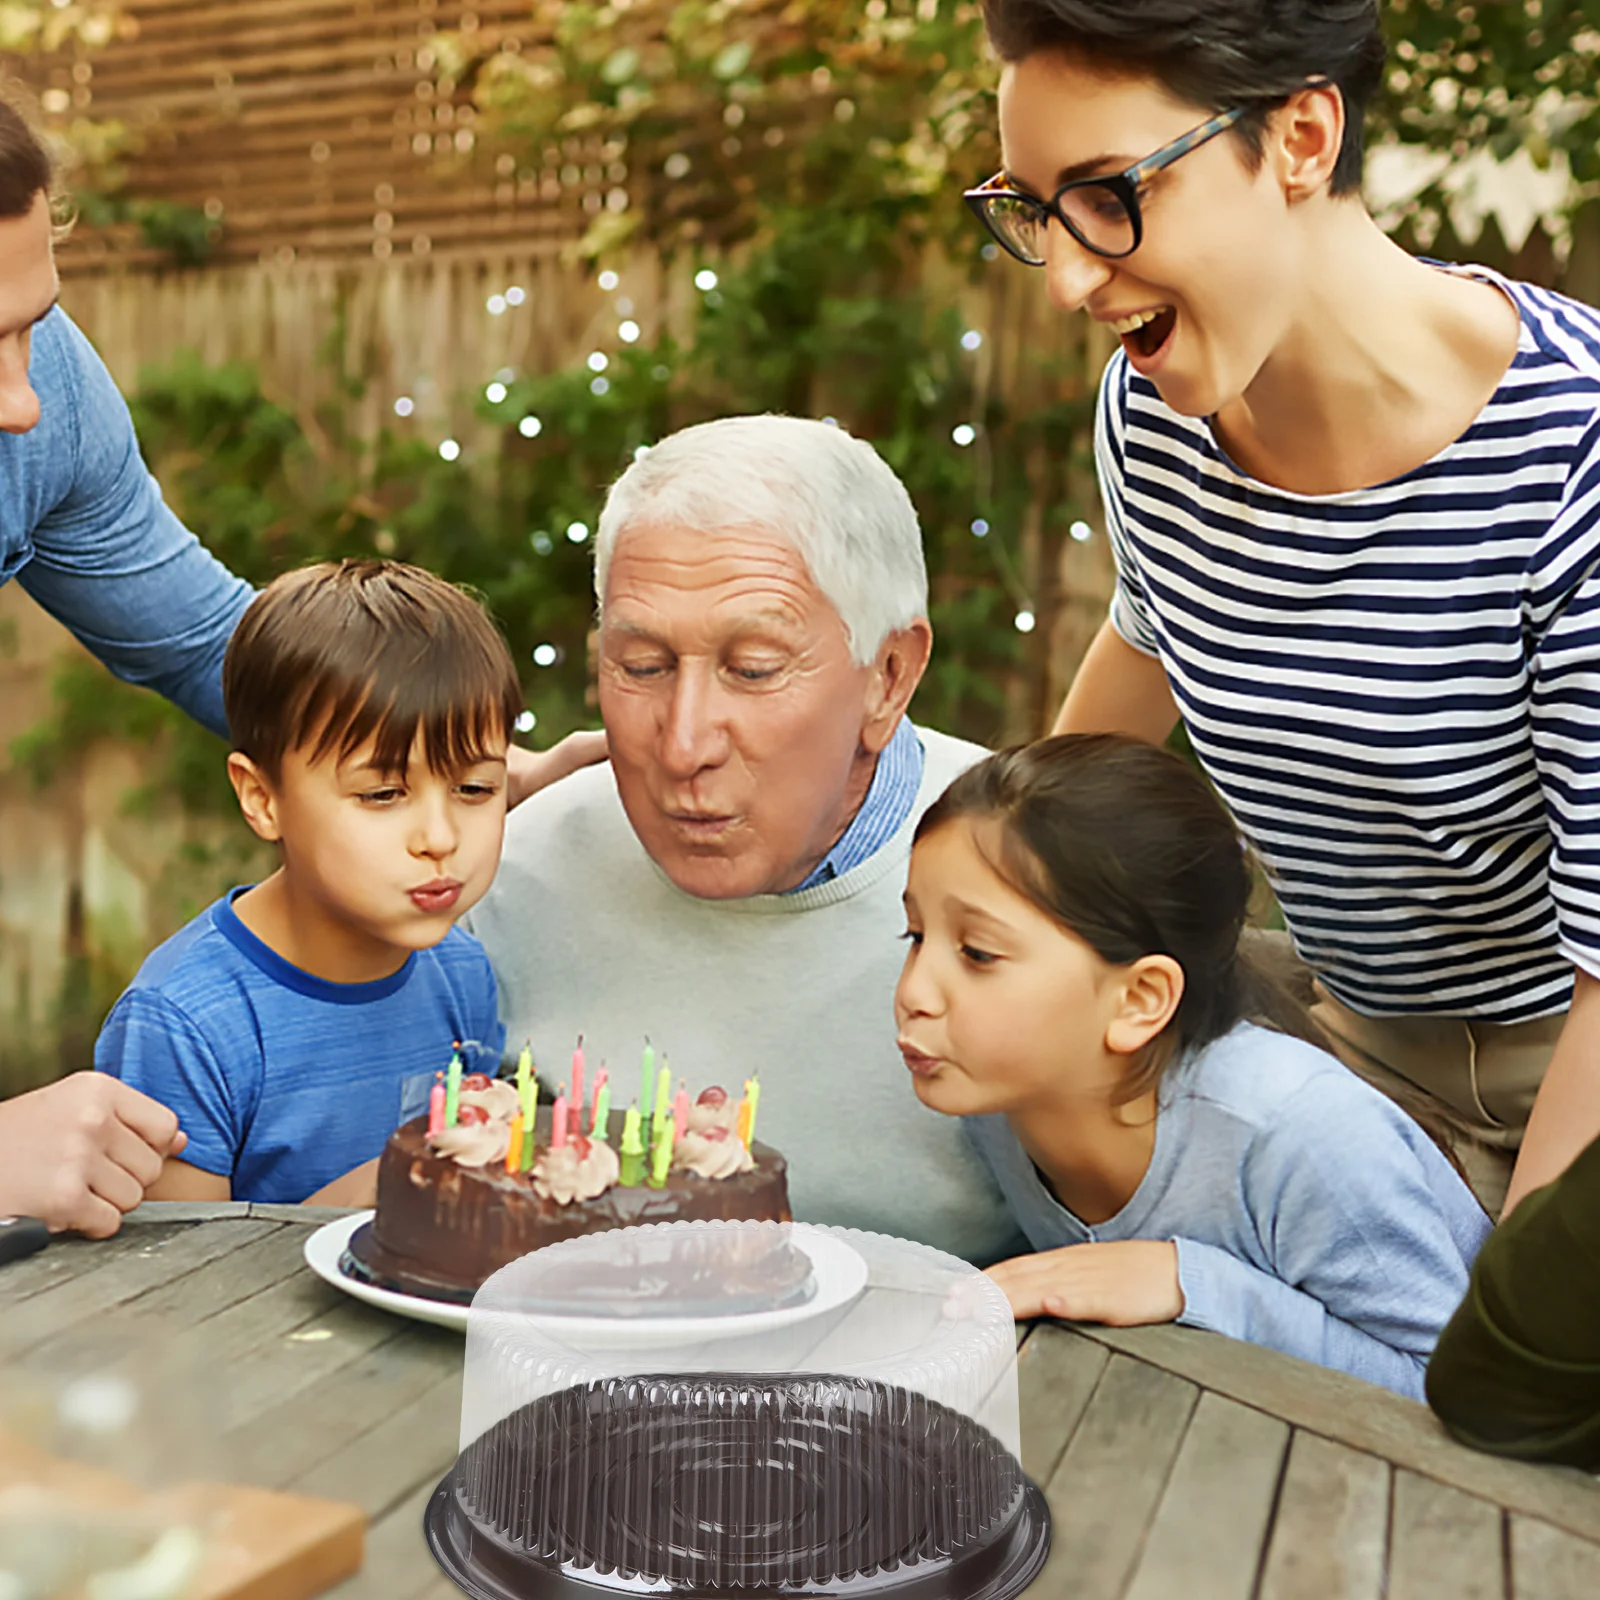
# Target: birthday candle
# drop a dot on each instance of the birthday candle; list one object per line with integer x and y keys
{"x": 436, "y": 1104}
{"x": 680, "y": 1110}
{"x": 632, "y": 1149}
{"x": 526, "y": 1163}
{"x": 514, "y": 1149}
{"x": 661, "y": 1156}
{"x": 524, "y": 1078}
{"x": 452, "y": 1087}
{"x": 577, "y": 1077}
{"x": 663, "y": 1104}
{"x": 646, "y": 1078}
{"x": 601, "y": 1126}
{"x": 574, "y": 1122}
{"x": 558, "y": 1124}
{"x": 530, "y": 1104}
{"x": 752, "y": 1091}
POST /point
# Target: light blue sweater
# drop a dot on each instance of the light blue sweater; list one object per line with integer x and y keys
{"x": 1310, "y": 1214}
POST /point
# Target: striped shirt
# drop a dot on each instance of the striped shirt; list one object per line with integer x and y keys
{"x": 1397, "y": 689}
{"x": 890, "y": 797}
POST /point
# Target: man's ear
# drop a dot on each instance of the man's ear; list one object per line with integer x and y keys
{"x": 896, "y": 671}
{"x": 1149, "y": 991}
{"x": 1306, "y": 134}
{"x": 257, "y": 798}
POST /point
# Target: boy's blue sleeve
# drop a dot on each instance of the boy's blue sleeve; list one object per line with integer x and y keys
{"x": 1369, "y": 1250}
{"x": 151, "y": 1044}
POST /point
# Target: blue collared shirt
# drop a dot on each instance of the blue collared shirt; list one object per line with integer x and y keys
{"x": 890, "y": 797}
{"x": 84, "y": 530}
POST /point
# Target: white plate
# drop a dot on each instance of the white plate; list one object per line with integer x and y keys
{"x": 841, "y": 1275}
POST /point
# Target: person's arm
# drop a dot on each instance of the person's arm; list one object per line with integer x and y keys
{"x": 1517, "y": 1369}
{"x": 358, "y": 1187}
{"x": 529, "y": 771}
{"x": 1119, "y": 689}
{"x": 180, "y": 1181}
{"x": 1566, "y": 1114}
{"x": 79, "y": 1153}
{"x": 110, "y": 560}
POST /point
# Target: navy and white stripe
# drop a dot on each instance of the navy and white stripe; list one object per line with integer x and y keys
{"x": 1396, "y": 690}
{"x": 890, "y": 797}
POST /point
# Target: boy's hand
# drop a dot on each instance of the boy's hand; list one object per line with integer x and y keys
{"x": 1122, "y": 1284}
{"x": 79, "y": 1153}
{"x": 529, "y": 771}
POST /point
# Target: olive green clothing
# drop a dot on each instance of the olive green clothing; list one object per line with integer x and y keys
{"x": 1517, "y": 1369}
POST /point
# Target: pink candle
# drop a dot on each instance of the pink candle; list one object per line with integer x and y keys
{"x": 436, "y": 1104}
{"x": 577, "y": 1076}
{"x": 680, "y": 1111}
{"x": 574, "y": 1122}
{"x": 558, "y": 1123}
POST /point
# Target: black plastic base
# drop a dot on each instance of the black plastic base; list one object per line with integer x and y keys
{"x": 907, "y": 1501}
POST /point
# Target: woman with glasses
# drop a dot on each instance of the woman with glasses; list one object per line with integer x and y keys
{"x": 1355, "y": 503}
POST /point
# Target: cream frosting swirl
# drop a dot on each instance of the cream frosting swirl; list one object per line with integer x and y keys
{"x": 472, "y": 1144}
{"x": 582, "y": 1169}
{"x": 500, "y": 1100}
{"x": 705, "y": 1115}
{"x": 716, "y": 1153}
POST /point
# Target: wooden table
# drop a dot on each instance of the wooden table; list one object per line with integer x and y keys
{"x": 1177, "y": 1464}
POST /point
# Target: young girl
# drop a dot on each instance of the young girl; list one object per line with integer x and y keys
{"x": 1074, "y": 987}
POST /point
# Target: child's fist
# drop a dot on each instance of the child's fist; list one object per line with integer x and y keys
{"x": 1121, "y": 1284}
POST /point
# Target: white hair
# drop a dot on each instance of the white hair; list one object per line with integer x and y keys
{"x": 830, "y": 496}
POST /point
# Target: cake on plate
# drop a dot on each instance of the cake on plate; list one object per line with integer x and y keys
{"x": 458, "y": 1198}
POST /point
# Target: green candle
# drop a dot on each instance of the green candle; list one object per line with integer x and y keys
{"x": 663, "y": 1102}
{"x": 602, "y": 1113}
{"x": 452, "y": 1088}
{"x": 661, "y": 1156}
{"x": 632, "y": 1149}
{"x": 645, "y": 1078}
{"x": 530, "y": 1104}
{"x": 524, "y": 1077}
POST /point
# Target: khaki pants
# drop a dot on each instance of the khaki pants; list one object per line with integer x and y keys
{"x": 1479, "y": 1077}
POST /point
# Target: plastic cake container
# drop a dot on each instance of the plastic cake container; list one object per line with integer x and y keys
{"x": 866, "y": 1448}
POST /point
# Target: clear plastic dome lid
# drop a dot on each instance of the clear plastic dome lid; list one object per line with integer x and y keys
{"x": 754, "y": 1405}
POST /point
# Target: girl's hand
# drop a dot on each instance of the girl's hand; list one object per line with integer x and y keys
{"x": 1122, "y": 1284}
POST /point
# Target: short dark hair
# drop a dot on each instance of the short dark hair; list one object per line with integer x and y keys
{"x": 333, "y": 655}
{"x": 1126, "y": 847}
{"x": 1217, "y": 54}
{"x": 26, "y": 167}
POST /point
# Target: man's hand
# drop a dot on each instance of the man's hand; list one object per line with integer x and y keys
{"x": 1122, "y": 1285}
{"x": 529, "y": 771}
{"x": 79, "y": 1153}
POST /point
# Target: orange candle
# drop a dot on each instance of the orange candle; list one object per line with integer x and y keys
{"x": 514, "y": 1149}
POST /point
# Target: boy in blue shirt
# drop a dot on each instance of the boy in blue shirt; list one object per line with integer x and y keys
{"x": 294, "y": 1024}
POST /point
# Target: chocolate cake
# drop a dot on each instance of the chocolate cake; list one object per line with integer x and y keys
{"x": 442, "y": 1227}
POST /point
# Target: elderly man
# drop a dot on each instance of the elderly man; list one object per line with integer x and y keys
{"x": 730, "y": 886}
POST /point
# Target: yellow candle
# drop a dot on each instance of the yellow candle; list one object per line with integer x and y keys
{"x": 752, "y": 1091}
{"x": 663, "y": 1105}
{"x": 661, "y": 1156}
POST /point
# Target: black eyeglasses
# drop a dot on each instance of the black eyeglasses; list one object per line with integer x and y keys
{"x": 1102, "y": 214}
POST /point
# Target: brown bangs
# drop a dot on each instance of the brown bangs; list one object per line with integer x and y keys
{"x": 338, "y": 656}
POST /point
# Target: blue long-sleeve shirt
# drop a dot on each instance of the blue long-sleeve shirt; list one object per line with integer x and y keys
{"x": 1311, "y": 1215}
{"x": 84, "y": 530}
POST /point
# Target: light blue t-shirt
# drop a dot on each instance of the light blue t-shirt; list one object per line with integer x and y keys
{"x": 1311, "y": 1215}
{"x": 84, "y": 530}
{"x": 284, "y": 1081}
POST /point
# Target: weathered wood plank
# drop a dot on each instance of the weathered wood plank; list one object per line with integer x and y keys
{"x": 1209, "y": 1529}
{"x": 412, "y": 1446}
{"x": 397, "y": 1564}
{"x": 302, "y": 1216}
{"x": 1110, "y": 1478}
{"x": 1550, "y": 1564}
{"x": 1330, "y": 1535}
{"x": 1056, "y": 1374}
{"x": 330, "y": 1415}
{"x": 1362, "y": 1416}
{"x": 66, "y": 1257}
{"x": 159, "y": 1211}
{"x": 87, "y": 1299}
{"x": 1444, "y": 1543}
